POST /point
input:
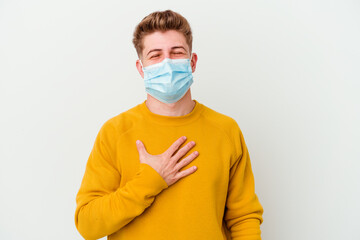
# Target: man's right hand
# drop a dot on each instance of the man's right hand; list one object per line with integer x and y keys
{"x": 166, "y": 164}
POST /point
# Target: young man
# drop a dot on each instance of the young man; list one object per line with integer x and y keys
{"x": 170, "y": 167}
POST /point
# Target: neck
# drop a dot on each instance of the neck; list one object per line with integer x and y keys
{"x": 182, "y": 107}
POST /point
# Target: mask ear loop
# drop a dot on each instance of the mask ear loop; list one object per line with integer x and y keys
{"x": 142, "y": 66}
{"x": 190, "y": 59}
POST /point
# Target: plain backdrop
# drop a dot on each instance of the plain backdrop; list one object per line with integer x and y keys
{"x": 287, "y": 71}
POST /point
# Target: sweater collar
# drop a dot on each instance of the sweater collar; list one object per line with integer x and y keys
{"x": 172, "y": 120}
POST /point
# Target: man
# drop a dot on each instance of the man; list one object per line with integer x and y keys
{"x": 170, "y": 167}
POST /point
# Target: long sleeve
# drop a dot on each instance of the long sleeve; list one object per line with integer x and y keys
{"x": 102, "y": 206}
{"x": 243, "y": 212}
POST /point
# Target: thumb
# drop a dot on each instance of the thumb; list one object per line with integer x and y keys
{"x": 141, "y": 148}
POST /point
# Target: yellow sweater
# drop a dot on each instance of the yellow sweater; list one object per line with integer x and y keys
{"x": 123, "y": 199}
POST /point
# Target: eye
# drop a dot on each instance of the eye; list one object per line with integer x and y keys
{"x": 154, "y": 56}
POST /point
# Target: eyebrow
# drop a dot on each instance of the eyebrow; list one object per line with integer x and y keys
{"x": 179, "y": 47}
{"x": 158, "y": 49}
{"x": 153, "y": 50}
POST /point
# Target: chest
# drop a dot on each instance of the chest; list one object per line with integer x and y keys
{"x": 213, "y": 160}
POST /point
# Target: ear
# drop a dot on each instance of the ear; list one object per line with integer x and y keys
{"x": 193, "y": 61}
{"x": 139, "y": 68}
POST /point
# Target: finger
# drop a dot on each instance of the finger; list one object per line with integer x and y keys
{"x": 182, "y": 151}
{"x": 175, "y": 146}
{"x": 187, "y": 160}
{"x": 141, "y": 148}
{"x": 186, "y": 172}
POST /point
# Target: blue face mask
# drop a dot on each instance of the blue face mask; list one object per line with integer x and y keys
{"x": 169, "y": 80}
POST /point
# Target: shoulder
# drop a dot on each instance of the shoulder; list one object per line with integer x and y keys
{"x": 228, "y": 125}
{"x": 122, "y": 122}
{"x": 223, "y": 121}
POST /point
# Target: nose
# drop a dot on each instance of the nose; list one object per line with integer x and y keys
{"x": 166, "y": 54}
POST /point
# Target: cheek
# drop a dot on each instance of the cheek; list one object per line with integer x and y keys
{"x": 153, "y": 61}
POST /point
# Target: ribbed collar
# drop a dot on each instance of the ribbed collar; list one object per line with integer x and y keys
{"x": 172, "y": 120}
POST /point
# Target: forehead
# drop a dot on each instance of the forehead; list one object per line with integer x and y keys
{"x": 164, "y": 40}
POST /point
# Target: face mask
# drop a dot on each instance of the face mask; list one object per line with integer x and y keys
{"x": 169, "y": 80}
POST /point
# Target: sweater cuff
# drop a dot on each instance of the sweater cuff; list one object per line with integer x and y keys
{"x": 153, "y": 179}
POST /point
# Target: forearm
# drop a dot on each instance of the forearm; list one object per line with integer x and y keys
{"x": 107, "y": 214}
{"x": 248, "y": 229}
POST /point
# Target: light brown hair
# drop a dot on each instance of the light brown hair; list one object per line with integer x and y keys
{"x": 161, "y": 21}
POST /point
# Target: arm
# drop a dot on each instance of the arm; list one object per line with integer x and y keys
{"x": 102, "y": 206}
{"x": 243, "y": 212}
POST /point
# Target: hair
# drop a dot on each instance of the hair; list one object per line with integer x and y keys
{"x": 161, "y": 21}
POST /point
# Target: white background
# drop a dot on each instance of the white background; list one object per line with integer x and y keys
{"x": 287, "y": 71}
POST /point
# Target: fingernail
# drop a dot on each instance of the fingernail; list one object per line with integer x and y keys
{"x": 138, "y": 142}
{"x": 184, "y": 137}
